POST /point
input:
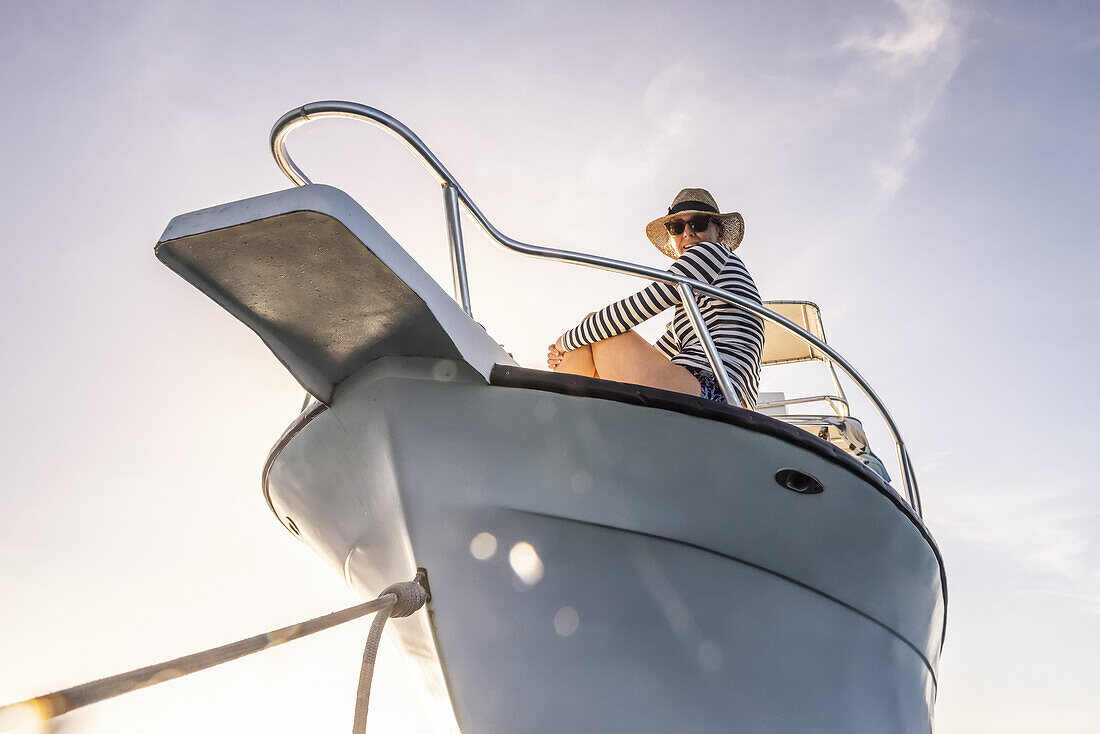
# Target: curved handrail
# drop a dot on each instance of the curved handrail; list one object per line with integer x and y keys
{"x": 317, "y": 110}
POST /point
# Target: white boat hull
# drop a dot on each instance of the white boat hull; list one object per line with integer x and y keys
{"x": 681, "y": 587}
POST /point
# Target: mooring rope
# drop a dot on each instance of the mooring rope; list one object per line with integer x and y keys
{"x": 398, "y": 600}
{"x": 408, "y": 597}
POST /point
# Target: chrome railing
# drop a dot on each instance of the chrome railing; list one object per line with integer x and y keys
{"x": 454, "y": 194}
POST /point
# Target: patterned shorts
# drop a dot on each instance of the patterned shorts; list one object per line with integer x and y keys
{"x": 709, "y": 389}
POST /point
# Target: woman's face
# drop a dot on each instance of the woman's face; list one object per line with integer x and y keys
{"x": 682, "y": 242}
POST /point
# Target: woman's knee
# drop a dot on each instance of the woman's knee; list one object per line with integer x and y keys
{"x": 578, "y": 362}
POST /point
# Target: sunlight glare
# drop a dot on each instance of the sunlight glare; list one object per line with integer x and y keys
{"x": 483, "y": 546}
{"x": 28, "y": 717}
{"x": 526, "y": 563}
{"x": 710, "y": 656}
{"x": 566, "y": 621}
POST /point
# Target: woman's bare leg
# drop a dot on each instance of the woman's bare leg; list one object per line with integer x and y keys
{"x": 630, "y": 358}
{"x": 578, "y": 362}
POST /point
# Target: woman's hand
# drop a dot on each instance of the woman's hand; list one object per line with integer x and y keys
{"x": 554, "y": 355}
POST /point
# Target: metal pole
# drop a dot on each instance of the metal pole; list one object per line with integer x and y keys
{"x": 458, "y": 254}
{"x": 910, "y": 479}
{"x": 715, "y": 359}
{"x": 316, "y": 110}
{"x": 839, "y": 389}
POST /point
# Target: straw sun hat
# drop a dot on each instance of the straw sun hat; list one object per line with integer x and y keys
{"x": 731, "y": 227}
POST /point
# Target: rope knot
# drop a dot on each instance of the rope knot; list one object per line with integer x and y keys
{"x": 410, "y": 597}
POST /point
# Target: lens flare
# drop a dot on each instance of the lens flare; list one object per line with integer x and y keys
{"x": 526, "y": 563}
{"x": 27, "y": 717}
{"x": 566, "y": 621}
{"x": 483, "y": 546}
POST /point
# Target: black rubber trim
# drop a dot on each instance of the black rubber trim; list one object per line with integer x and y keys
{"x": 303, "y": 419}
{"x": 622, "y": 392}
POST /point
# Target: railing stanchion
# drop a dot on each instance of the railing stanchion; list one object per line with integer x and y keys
{"x": 909, "y": 479}
{"x": 715, "y": 359}
{"x": 458, "y": 253}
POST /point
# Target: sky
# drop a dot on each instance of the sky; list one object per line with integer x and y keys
{"x": 926, "y": 171}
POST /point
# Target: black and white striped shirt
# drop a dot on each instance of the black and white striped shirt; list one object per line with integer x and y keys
{"x": 738, "y": 335}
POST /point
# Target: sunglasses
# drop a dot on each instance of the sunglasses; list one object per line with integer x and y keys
{"x": 698, "y": 223}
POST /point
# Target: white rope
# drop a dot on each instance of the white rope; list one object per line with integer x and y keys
{"x": 408, "y": 596}
{"x": 366, "y": 672}
{"x": 398, "y": 600}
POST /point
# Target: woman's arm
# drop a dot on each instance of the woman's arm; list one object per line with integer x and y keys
{"x": 702, "y": 262}
{"x": 668, "y": 344}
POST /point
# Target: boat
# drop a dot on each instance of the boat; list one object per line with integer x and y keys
{"x": 766, "y": 576}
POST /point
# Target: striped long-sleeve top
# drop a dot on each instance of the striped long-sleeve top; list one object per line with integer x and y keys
{"x": 737, "y": 334}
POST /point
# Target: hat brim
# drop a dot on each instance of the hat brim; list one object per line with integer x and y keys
{"x": 732, "y": 226}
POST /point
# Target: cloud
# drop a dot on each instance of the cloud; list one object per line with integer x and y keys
{"x": 847, "y": 112}
{"x": 810, "y": 129}
{"x": 1046, "y": 532}
{"x": 1088, "y": 45}
{"x": 909, "y": 63}
{"x": 926, "y": 31}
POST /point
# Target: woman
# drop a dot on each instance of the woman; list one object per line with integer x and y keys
{"x": 702, "y": 241}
